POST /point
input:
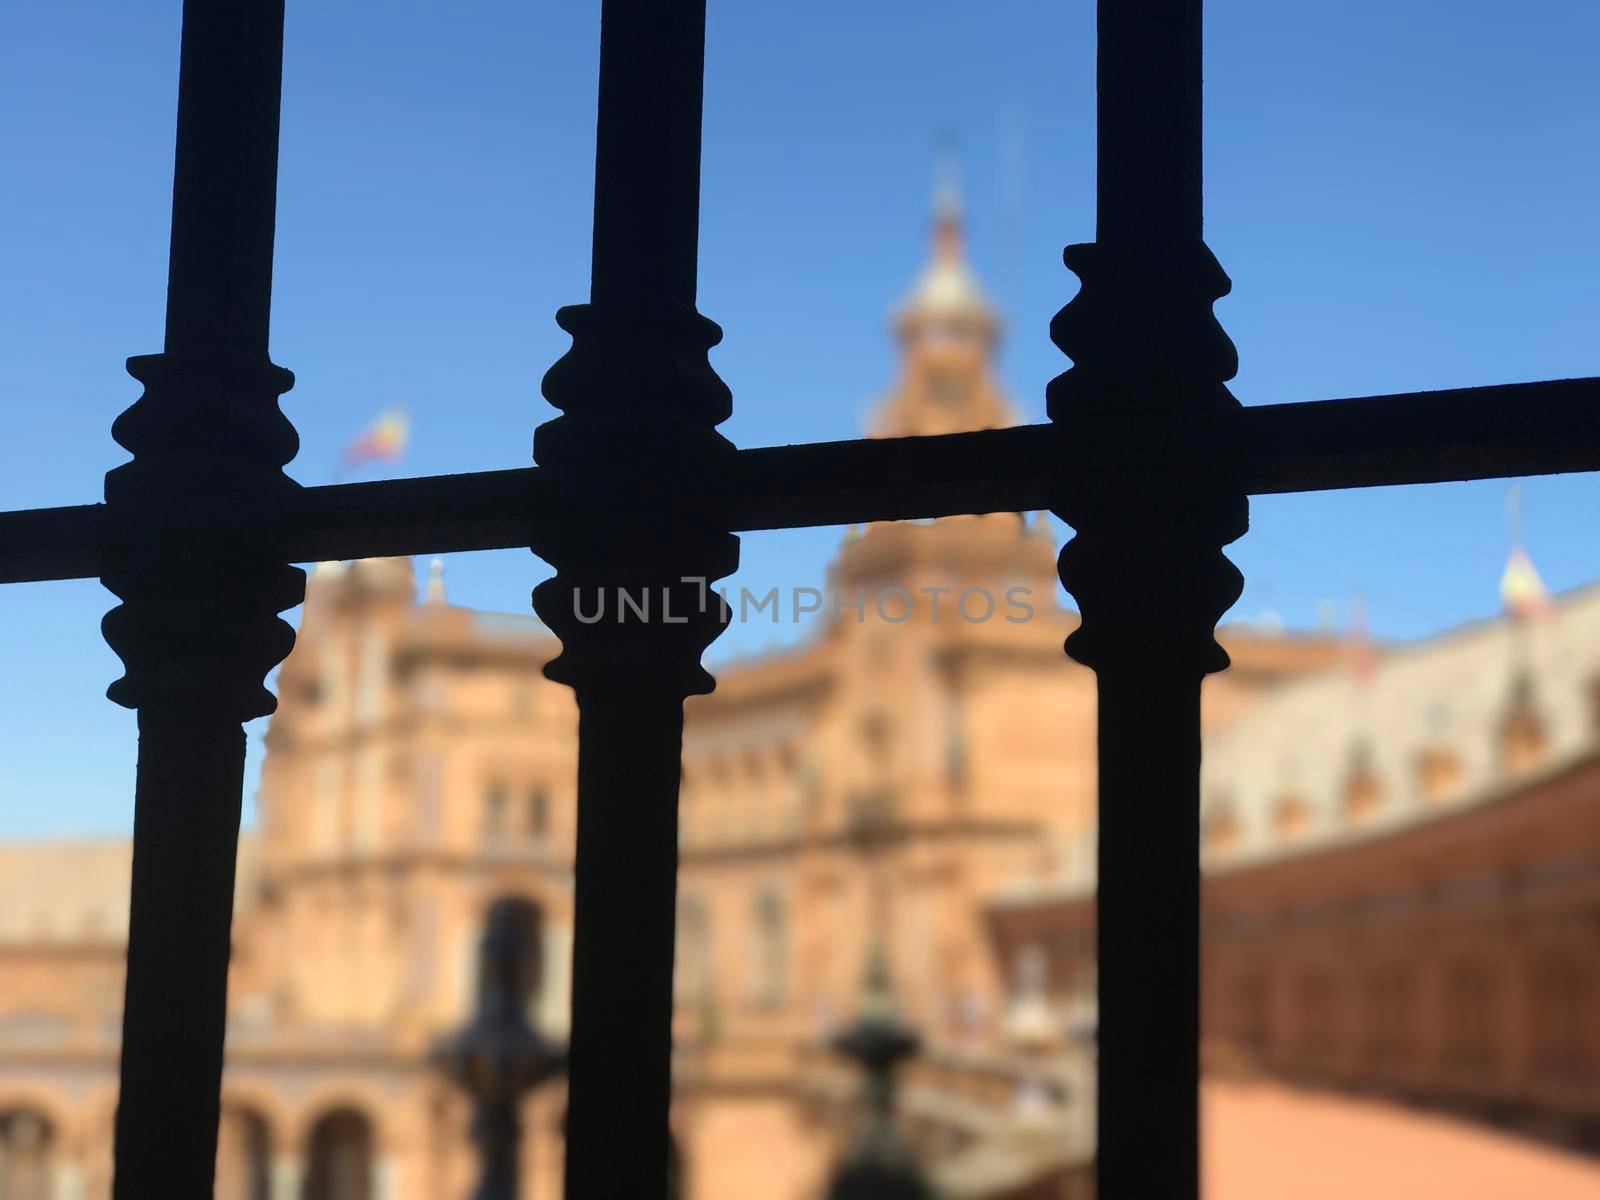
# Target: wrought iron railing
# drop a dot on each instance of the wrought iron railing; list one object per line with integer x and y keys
{"x": 1147, "y": 455}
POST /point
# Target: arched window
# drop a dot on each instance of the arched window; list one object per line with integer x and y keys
{"x": 692, "y": 965}
{"x": 244, "y": 1156}
{"x": 1438, "y": 773}
{"x": 1291, "y": 816}
{"x": 1362, "y": 791}
{"x": 341, "y": 1158}
{"x": 770, "y": 962}
{"x": 1522, "y": 733}
{"x": 526, "y": 916}
{"x": 26, "y": 1145}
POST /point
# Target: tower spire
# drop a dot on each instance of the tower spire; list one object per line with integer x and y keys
{"x": 947, "y": 216}
{"x": 947, "y": 331}
{"x": 946, "y": 299}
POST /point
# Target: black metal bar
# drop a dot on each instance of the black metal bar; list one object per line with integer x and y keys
{"x": 1148, "y": 929}
{"x": 225, "y": 177}
{"x": 1147, "y": 569}
{"x": 620, "y": 1073}
{"x": 640, "y": 405}
{"x": 1506, "y": 430}
{"x": 1148, "y": 84}
{"x": 185, "y": 828}
{"x": 647, "y": 157}
{"x": 198, "y": 632}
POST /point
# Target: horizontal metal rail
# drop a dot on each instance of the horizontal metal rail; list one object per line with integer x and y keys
{"x": 1372, "y": 441}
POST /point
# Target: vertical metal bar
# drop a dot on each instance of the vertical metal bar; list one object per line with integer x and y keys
{"x": 197, "y": 635}
{"x": 621, "y": 1078}
{"x": 647, "y": 155}
{"x": 1148, "y": 934}
{"x": 1147, "y": 570}
{"x": 1148, "y": 85}
{"x": 637, "y": 394}
{"x": 225, "y": 174}
{"x": 186, "y": 822}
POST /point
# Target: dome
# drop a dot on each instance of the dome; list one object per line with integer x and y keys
{"x": 946, "y": 296}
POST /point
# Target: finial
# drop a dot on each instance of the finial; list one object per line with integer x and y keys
{"x": 435, "y": 592}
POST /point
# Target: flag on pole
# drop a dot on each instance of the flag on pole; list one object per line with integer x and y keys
{"x": 384, "y": 439}
{"x": 1361, "y": 655}
{"x": 1522, "y": 592}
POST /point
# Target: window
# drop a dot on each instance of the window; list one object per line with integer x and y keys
{"x": 1363, "y": 793}
{"x": 948, "y": 388}
{"x": 244, "y": 1156}
{"x": 1562, "y": 995}
{"x": 1522, "y": 733}
{"x": 1291, "y": 816}
{"x": 26, "y": 1150}
{"x": 538, "y": 814}
{"x": 1470, "y": 1032}
{"x": 769, "y": 985}
{"x": 430, "y": 798}
{"x": 494, "y": 812}
{"x": 340, "y": 1154}
{"x": 1386, "y": 1009}
{"x": 1438, "y": 773}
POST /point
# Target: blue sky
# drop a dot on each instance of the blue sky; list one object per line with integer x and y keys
{"x": 1405, "y": 195}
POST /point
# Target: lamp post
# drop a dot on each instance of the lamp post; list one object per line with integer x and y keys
{"x": 879, "y": 1165}
{"x": 499, "y": 1057}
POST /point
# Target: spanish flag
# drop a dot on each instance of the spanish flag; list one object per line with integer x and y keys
{"x": 384, "y": 439}
{"x": 1522, "y": 593}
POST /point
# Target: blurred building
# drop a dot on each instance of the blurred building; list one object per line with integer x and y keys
{"x": 1402, "y": 879}
{"x": 918, "y": 774}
